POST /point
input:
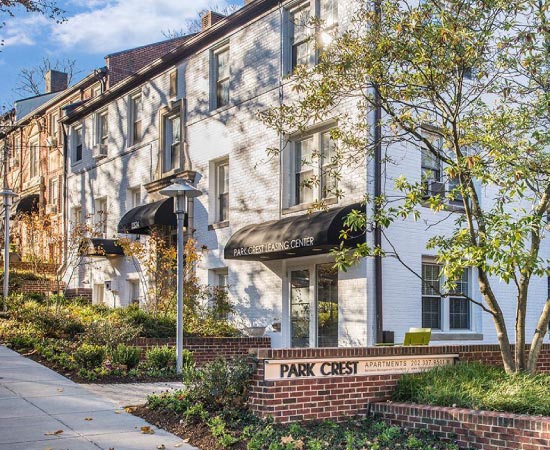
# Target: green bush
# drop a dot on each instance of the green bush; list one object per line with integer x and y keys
{"x": 110, "y": 332}
{"x": 89, "y": 356}
{"x": 476, "y": 386}
{"x": 150, "y": 325}
{"x": 160, "y": 358}
{"x": 125, "y": 355}
{"x": 220, "y": 384}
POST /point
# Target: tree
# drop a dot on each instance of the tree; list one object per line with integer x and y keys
{"x": 466, "y": 83}
{"x": 45, "y": 7}
{"x": 31, "y": 80}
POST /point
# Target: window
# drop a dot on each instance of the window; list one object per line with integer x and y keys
{"x": 76, "y": 216}
{"x": 221, "y": 78}
{"x": 134, "y": 291}
{"x": 96, "y": 91}
{"x": 172, "y": 142}
{"x": 222, "y": 277}
{"x": 301, "y": 32}
{"x": 53, "y": 192}
{"x": 34, "y": 163}
{"x": 314, "y": 306}
{"x": 136, "y": 113}
{"x": 310, "y": 165}
{"x": 101, "y": 215}
{"x": 447, "y": 314}
{"x": 99, "y": 294}
{"x": 77, "y": 144}
{"x": 54, "y": 125}
{"x": 102, "y": 128}
{"x": 222, "y": 190}
{"x": 134, "y": 197}
{"x": 173, "y": 84}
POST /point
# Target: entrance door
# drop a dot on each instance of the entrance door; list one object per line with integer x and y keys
{"x": 314, "y": 306}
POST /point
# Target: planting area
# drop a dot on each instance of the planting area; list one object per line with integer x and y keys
{"x": 475, "y": 386}
{"x": 94, "y": 343}
{"x": 212, "y": 412}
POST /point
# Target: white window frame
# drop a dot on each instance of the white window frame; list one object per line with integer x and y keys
{"x": 53, "y": 191}
{"x": 316, "y": 167}
{"x": 34, "y": 159}
{"x": 134, "y": 284}
{"x": 445, "y": 303}
{"x": 97, "y": 299}
{"x": 134, "y": 197}
{"x": 173, "y": 83}
{"x": 77, "y": 215}
{"x": 216, "y": 201}
{"x": 99, "y": 137}
{"x": 77, "y": 130}
{"x": 101, "y": 215}
{"x": 135, "y": 118}
{"x": 218, "y": 79}
{"x": 54, "y": 124}
{"x": 171, "y": 147}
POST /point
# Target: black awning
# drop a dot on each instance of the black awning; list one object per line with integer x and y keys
{"x": 104, "y": 247}
{"x": 303, "y": 235}
{"x": 139, "y": 220}
{"x": 27, "y": 204}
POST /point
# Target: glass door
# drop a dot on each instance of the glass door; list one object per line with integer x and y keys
{"x": 300, "y": 310}
{"x": 327, "y": 305}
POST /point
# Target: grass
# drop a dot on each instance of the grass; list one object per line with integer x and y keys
{"x": 475, "y": 386}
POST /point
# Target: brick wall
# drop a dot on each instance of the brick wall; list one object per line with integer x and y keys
{"x": 50, "y": 269}
{"x": 485, "y": 430}
{"x": 337, "y": 397}
{"x": 208, "y": 349}
{"x": 38, "y": 286}
{"x": 85, "y": 293}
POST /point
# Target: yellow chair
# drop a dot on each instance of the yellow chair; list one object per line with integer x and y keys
{"x": 418, "y": 336}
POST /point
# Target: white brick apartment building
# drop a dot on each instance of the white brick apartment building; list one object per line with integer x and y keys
{"x": 194, "y": 114}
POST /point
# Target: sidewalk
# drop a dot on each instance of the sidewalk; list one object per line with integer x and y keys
{"x": 42, "y": 410}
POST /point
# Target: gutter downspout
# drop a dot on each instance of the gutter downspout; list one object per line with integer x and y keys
{"x": 377, "y": 193}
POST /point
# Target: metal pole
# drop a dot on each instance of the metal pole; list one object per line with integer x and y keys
{"x": 6, "y": 247}
{"x": 179, "y": 334}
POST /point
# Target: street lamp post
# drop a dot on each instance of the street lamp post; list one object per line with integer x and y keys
{"x": 181, "y": 191}
{"x": 7, "y": 196}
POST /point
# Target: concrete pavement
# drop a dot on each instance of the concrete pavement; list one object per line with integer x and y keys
{"x": 131, "y": 394}
{"x": 42, "y": 410}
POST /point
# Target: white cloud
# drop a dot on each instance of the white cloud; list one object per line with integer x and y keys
{"x": 124, "y": 24}
{"x": 22, "y": 30}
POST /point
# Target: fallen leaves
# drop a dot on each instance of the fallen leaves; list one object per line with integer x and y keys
{"x": 53, "y": 433}
{"x": 147, "y": 430}
{"x": 161, "y": 447}
{"x": 88, "y": 418}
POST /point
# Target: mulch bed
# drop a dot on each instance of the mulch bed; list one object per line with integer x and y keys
{"x": 196, "y": 434}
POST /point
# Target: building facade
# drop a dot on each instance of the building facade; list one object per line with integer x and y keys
{"x": 193, "y": 114}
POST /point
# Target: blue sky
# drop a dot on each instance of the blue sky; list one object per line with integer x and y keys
{"x": 93, "y": 29}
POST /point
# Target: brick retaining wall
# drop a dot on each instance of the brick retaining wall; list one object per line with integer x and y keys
{"x": 50, "y": 269}
{"x": 484, "y": 430}
{"x": 338, "y": 397}
{"x": 38, "y": 286}
{"x": 208, "y": 349}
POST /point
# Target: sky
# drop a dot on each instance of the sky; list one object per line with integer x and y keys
{"x": 92, "y": 29}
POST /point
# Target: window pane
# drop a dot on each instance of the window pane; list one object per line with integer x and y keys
{"x": 431, "y": 312}
{"x": 328, "y": 181}
{"x": 222, "y": 93}
{"x": 103, "y": 129}
{"x": 430, "y": 279}
{"x": 299, "y": 308}
{"x": 327, "y": 305}
{"x": 430, "y": 166}
{"x": 329, "y": 12}
{"x": 300, "y": 33}
{"x": 459, "y": 313}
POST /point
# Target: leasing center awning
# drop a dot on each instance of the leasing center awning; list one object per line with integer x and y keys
{"x": 27, "y": 204}
{"x": 303, "y": 235}
{"x": 139, "y": 220}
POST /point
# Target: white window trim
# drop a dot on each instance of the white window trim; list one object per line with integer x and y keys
{"x": 166, "y": 117}
{"x": 101, "y": 215}
{"x": 97, "y": 127}
{"x": 132, "y": 118}
{"x": 289, "y": 160}
{"x": 214, "y": 52}
{"x": 74, "y": 133}
{"x": 214, "y": 216}
{"x": 34, "y": 157}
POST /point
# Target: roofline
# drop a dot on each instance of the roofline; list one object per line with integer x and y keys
{"x": 220, "y": 28}
{"x": 149, "y": 45}
{"x": 66, "y": 92}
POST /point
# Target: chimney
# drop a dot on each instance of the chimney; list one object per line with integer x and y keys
{"x": 210, "y": 18}
{"x": 56, "y": 81}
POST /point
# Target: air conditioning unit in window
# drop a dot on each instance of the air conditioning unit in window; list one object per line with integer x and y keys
{"x": 51, "y": 209}
{"x": 99, "y": 151}
{"x": 111, "y": 285}
{"x": 51, "y": 141}
{"x": 433, "y": 188}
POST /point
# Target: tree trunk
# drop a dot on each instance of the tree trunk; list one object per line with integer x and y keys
{"x": 536, "y": 343}
{"x": 521, "y": 311}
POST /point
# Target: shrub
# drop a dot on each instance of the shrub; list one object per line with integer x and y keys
{"x": 160, "y": 358}
{"x": 150, "y": 325}
{"x": 89, "y": 356}
{"x": 475, "y": 386}
{"x": 125, "y": 355}
{"x": 110, "y": 332}
{"x": 221, "y": 384}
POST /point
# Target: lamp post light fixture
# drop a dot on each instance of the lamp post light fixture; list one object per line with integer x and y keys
{"x": 181, "y": 190}
{"x": 7, "y": 197}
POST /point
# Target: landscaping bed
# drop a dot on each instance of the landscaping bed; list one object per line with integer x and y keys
{"x": 476, "y": 386}
{"x": 212, "y": 414}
